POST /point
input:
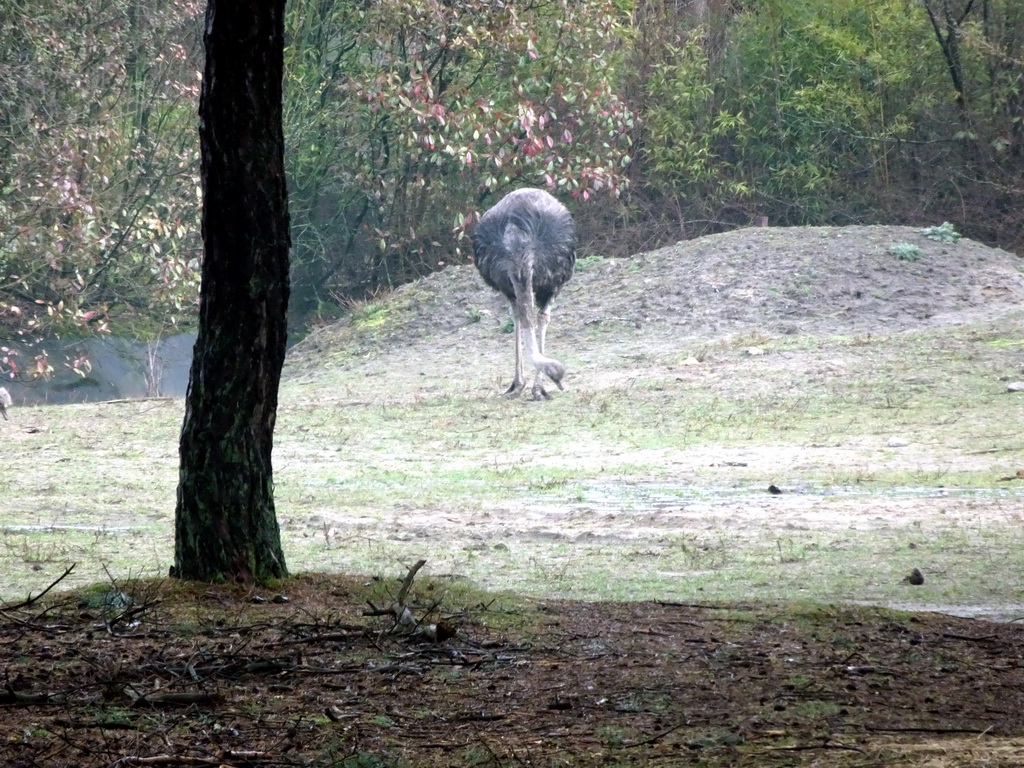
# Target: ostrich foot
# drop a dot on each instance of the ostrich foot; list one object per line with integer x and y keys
{"x": 515, "y": 388}
{"x": 539, "y": 393}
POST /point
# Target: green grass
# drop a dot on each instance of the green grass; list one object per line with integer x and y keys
{"x": 370, "y": 315}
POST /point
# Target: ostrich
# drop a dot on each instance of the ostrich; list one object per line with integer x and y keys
{"x": 525, "y": 247}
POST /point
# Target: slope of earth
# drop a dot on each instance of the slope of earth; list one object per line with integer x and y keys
{"x": 776, "y": 280}
{"x": 872, "y": 391}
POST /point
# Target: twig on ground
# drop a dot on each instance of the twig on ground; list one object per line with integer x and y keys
{"x": 809, "y": 747}
{"x": 349, "y": 631}
{"x": 103, "y": 725}
{"x": 954, "y": 636}
{"x": 403, "y": 616}
{"x": 18, "y": 697}
{"x": 263, "y": 757}
{"x": 656, "y": 737}
{"x": 880, "y": 729}
{"x": 176, "y": 699}
{"x": 136, "y": 400}
{"x": 31, "y": 600}
{"x": 407, "y": 581}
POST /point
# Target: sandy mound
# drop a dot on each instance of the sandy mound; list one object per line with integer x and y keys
{"x": 775, "y": 280}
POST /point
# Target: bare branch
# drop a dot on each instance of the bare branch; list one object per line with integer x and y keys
{"x": 31, "y": 600}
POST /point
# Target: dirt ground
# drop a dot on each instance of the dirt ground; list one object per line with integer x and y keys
{"x": 298, "y": 675}
{"x": 224, "y": 677}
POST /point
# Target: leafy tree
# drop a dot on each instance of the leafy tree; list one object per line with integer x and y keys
{"x": 972, "y": 162}
{"x": 813, "y": 112}
{"x": 225, "y": 524}
{"x": 407, "y": 116}
{"x": 799, "y": 103}
{"x": 98, "y": 170}
{"x": 692, "y": 139}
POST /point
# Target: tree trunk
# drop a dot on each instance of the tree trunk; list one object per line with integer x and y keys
{"x": 225, "y": 524}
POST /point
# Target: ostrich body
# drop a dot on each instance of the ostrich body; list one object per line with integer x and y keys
{"x": 525, "y": 247}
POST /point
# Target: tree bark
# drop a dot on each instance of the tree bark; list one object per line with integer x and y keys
{"x": 225, "y": 523}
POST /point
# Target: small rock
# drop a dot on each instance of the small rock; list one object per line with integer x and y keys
{"x": 897, "y": 442}
{"x": 691, "y": 361}
{"x": 445, "y": 630}
{"x": 754, "y": 351}
{"x": 774, "y": 489}
{"x": 916, "y": 578}
{"x": 1015, "y": 386}
{"x": 561, "y": 704}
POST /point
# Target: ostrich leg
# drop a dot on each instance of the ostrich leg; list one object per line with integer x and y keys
{"x": 543, "y": 318}
{"x": 527, "y": 322}
{"x": 518, "y": 380}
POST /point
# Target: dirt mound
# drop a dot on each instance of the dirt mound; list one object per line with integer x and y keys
{"x": 775, "y": 280}
{"x": 826, "y": 279}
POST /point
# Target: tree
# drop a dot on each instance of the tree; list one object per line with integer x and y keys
{"x": 225, "y": 524}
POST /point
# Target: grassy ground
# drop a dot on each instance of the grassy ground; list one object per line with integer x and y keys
{"x": 650, "y": 481}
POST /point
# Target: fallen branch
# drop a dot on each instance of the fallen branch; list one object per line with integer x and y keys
{"x": 483, "y": 717}
{"x": 175, "y": 699}
{"x": 403, "y": 616}
{"x": 31, "y": 600}
{"x": 136, "y": 400}
{"x": 704, "y": 606}
{"x": 164, "y": 760}
{"x": 129, "y": 614}
{"x": 407, "y": 581}
{"x": 655, "y": 737}
{"x": 105, "y": 725}
{"x": 17, "y": 697}
{"x": 973, "y": 638}
{"x": 190, "y": 760}
{"x": 811, "y": 747}
{"x": 879, "y": 729}
{"x": 348, "y": 632}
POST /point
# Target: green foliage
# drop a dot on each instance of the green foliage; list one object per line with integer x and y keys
{"x": 98, "y": 187}
{"x": 801, "y": 96}
{"x": 369, "y": 315}
{"x": 408, "y": 116}
{"x": 812, "y": 112}
{"x": 690, "y": 134}
{"x": 944, "y": 233}
{"x": 585, "y": 263}
{"x": 905, "y": 251}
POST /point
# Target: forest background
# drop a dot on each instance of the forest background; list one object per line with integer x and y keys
{"x": 405, "y": 119}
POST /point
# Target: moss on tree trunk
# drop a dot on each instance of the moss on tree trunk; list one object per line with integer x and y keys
{"x": 225, "y": 523}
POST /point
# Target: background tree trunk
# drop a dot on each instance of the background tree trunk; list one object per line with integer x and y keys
{"x": 225, "y": 524}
